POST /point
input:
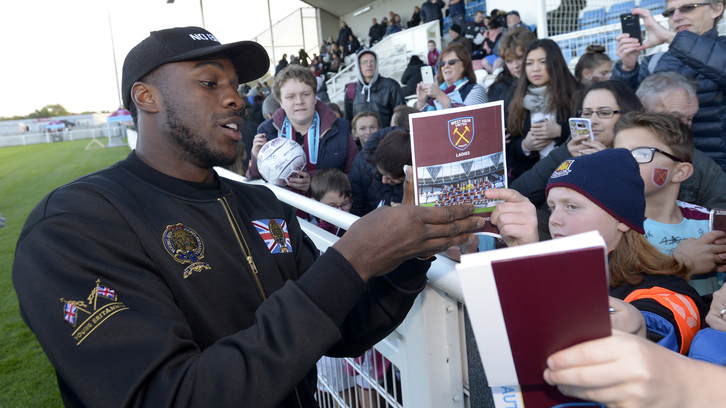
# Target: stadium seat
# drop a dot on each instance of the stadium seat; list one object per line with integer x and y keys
{"x": 592, "y": 18}
{"x": 613, "y": 15}
{"x": 655, "y": 6}
{"x": 565, "y": 46}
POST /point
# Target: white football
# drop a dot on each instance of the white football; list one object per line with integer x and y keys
{"x": 279, "y": 158}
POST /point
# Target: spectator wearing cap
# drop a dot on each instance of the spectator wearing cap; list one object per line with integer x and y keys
{"x": 456, "y": 37}
{"x": 695, "y": 51}
{"x": 431, "y": 11}
{"x": 514, "y": 21}
{"x": 457, "y": 12}
{"x": 640, "y": 276}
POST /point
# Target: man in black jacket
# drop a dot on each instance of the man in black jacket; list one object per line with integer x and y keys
{"x": 375, "y": 33}
{"x": 344, "y": 34}
{"x": 180, "y": 288}
{"x": 431, "y": 10}
{"x": 372, "y": 92}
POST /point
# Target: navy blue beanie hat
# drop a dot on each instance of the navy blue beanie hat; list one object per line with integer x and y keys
{"x": 610, "y": 179}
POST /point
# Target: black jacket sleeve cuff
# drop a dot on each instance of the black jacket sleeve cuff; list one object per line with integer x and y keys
{"x": 333, "y": 284}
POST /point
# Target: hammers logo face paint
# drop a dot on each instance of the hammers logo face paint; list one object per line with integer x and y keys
{"x": 660, "y": 176}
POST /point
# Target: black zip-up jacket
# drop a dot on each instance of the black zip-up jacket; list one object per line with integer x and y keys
{"x": 177, "y": 315}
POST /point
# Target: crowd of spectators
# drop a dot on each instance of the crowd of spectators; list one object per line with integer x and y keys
{"x": 646, "y": 179}
{"x": 679, "y": 92}
{"x": 646, "y": 118}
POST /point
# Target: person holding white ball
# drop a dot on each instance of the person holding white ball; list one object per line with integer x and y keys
{"x": 324, "y": 137}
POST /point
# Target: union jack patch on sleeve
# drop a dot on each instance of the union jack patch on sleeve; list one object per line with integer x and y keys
{"x": 70, "y": 314}
{"x": 274, "y": 233}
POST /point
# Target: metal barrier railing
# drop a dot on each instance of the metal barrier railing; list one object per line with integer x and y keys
{"x": 51, "y": 137}
{"x": 424, "y": 358}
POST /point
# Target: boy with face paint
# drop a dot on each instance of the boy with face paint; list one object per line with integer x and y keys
{"x": 663, "y": 148}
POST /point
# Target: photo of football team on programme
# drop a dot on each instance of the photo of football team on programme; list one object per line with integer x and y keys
{"x": 462, "y": 182}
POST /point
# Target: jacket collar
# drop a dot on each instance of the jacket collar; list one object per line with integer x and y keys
{"x": 712, "y": 33}
{"x": 173, "y": 186}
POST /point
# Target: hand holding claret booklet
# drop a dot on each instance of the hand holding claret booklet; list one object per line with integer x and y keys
{"x": 527, "y": 302}
{"x": 457, "y": 155}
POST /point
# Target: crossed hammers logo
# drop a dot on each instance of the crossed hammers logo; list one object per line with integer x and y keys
{"x": 461, "y": 135}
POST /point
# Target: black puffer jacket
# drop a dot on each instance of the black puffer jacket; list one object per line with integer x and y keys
{"x": 412, "y": 76}
{"x": 367, "y": 184}
{"x": 432, "y": 11}
{"x": 703, "y": 58}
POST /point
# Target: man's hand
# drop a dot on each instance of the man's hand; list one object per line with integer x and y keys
{"x": 626, "y": 317}
{"x": 516, "y": 217}
{"x": 629, "y": 48}
{"x": 299, "y": 181}
{"x": 378, "y": 242}
{"x": 257, "y": 144}
{"x": 628, "y": 51}
{"x": 705, "y": 254}
{"x": 714, "y": 318}
{"x": 408, "y": 193}
{"x": 656, "y": 33}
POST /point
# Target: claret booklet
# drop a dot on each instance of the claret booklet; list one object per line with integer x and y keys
{"x": 527, "y": 302}
{"x": 457, "y": 155}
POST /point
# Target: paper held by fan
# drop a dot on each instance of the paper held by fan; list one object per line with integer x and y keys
{"x": 458, "y": 154}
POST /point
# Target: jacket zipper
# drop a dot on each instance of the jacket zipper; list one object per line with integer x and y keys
{"x": 243, "y": 245}
{"x": 248, "y": 255}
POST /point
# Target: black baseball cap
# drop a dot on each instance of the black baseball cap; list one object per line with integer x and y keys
{"x": 189, "y": 43}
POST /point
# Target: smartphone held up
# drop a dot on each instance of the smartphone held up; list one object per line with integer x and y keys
{"x": 631, "y": 25}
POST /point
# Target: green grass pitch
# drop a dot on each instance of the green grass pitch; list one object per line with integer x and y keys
{"x": 27, "y": 174}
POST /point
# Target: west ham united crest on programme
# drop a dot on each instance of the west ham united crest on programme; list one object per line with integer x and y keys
{"x": 461, "y": 132}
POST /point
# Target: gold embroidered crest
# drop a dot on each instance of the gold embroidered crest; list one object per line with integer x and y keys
{"x": 90, "y": 316}
{"x": 186, "y": 246}
{"x": 278, "y": 235}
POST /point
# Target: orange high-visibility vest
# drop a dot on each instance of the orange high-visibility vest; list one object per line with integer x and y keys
{"x": 683, "y": 307}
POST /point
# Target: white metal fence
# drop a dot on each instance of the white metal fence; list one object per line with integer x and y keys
{"x": 422, "y": 364}
{"x": 63, "y": 136}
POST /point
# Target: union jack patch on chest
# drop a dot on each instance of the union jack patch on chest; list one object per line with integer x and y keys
{"x": 274, "y": 233}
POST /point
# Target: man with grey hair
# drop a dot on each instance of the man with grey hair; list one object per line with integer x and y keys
{"x": 673, "y": 94}
{"x": 695, "y": 50}
{"x": 269, "y": 106}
